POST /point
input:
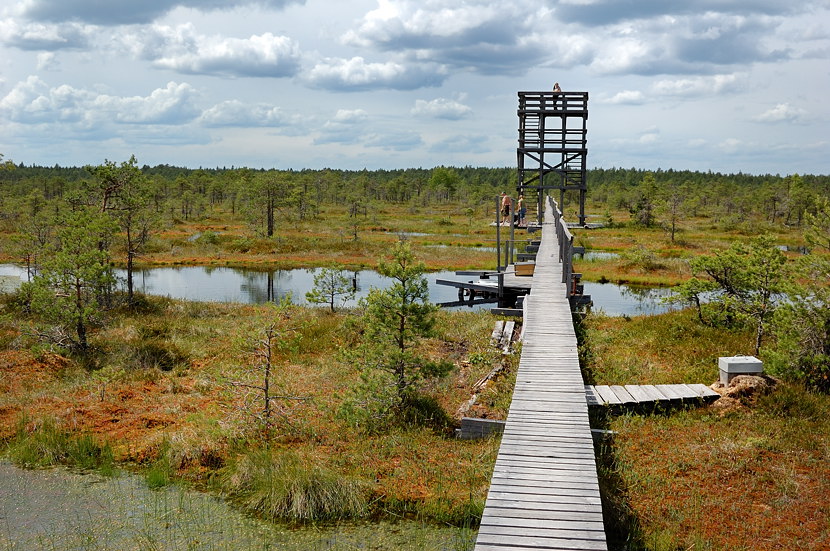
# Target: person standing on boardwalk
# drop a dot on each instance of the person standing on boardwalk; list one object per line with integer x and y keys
{"x": 521, "y": 209}
{"x": 505, "y": 207}
{"x": 556, "y": 87}
{"x": 556, "y": 90}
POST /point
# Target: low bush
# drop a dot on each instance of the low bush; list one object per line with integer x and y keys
{"x": 642, "y": 258}
{"x": 157, "y": 353}
{"x": 792, "y": 401}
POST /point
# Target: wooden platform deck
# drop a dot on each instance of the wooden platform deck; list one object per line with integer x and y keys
{"x": 627, "y": 395}
{"x": 544, "y": 493}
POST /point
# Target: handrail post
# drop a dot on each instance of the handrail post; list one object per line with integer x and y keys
{"x": 512, "y": 237}
{"x": 498, "y": 235}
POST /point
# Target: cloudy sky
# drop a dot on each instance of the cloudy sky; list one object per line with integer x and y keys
{"x": 722, "y": 85}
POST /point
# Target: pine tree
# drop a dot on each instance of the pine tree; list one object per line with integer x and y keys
{"x": 397, "y": 318}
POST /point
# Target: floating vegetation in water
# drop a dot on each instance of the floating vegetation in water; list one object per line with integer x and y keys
{"x": 59, "y": 510}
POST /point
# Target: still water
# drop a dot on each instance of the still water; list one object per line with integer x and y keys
{"x": 204, "y": 283}
{"x": 59, "y": 510}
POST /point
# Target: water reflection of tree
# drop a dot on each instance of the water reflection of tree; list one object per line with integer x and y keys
{"x": 647, "y": 299}
{"x": 264, "y": 286}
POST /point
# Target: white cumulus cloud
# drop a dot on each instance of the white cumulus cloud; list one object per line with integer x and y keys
{"x": 112, "y": 12}
{"x": 38, "y": 36}
{"x": 701, "y": 85}
{"x": 441, "y": 108}
{"x": 349, "y": 116}
{"x": 356, "y": 74}
{"x": 184, "y": 50}
{"x": 783, "y": 112}
{"x": 237, "y": 113}
{"x": 347, "y": 126}
{"x": 34, "y": 101}
{"x": 477, "y": 35}
{"x": 626, "y": 97}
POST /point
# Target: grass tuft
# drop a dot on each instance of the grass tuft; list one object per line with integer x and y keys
{"x": 49, "y": 445}
{"x": 283, "y": 486}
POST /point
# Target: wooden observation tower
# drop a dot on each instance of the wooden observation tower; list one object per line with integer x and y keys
{"x": 552, "y": 146}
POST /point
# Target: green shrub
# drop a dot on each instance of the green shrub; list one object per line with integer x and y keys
{"x": 156, "y": 245}
{"x": 153, "y": 348}
{"x": 793, "y": 401}
{"x": 641, "y": 257}
{"x": 284, "y": 486}
{"x": 242, "y": 245}
{"x": 208, "y": 238}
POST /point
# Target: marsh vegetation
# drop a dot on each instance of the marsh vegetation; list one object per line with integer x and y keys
{"x": 360, "y": 410}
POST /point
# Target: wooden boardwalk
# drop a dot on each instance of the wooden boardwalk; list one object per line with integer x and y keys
{"x": 619, "y": 395}
{"x": 544, "y": 493}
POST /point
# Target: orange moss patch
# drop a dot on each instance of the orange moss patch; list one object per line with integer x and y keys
{"x": 21, "y": 371}
{"x": 131, "y": 412}
{"x": 727, "y": 484}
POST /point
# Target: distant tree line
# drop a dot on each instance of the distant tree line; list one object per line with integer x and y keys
{"x": 261, "y": 195}
{"x": 668, "y": 196}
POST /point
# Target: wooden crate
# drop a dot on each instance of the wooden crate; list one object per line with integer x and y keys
{"x": 525, "y": 268}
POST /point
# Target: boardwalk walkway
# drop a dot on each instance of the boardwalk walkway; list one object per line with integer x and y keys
{"x": 544, "y": 493}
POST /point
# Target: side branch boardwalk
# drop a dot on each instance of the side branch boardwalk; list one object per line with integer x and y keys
{"x": 544, "y": 493}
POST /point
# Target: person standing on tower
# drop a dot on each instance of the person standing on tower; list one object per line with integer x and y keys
{"x": 505, "y": 207}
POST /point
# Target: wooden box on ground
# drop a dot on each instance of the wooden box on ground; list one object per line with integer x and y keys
{"x": 525, "y": 268}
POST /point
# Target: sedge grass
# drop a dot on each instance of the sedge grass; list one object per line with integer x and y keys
{"x": 48, "y": 445}
{"x": 282, "y": 486}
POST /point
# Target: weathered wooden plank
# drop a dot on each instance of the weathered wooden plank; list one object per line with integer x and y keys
{"x": 669, "y": 392}
{"x": 539, "y": 529}
{"x": 567, "y": 480}
{"x": 591, "y": 396}
{"x": 607, "y": 396}
{"x": 544, "y": 424}
{"x": 555, "y": 465}
{"x": 638, "y": 393}
{"x": 578, "y": 442}
{"x": 684, "y": 392}
{"x": 517, "y": 521}
{"x": 540, "y": 514}
{"x": 507, "y": 335}
{"x": 577, "y": 463}
{"x": 576, "y": 503}
{"x": 622, "y": 394}
{"x": 542, "y": 531}
{"x": 572, "y": 440}
{"x": 703, "y": 391}
{"x": 495, "y": 337}
{"x": 654, "y": 393}
{"x": 569, "y": 455}
{"x": 515, "y": 541}
{"x": 539, "y": 491}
